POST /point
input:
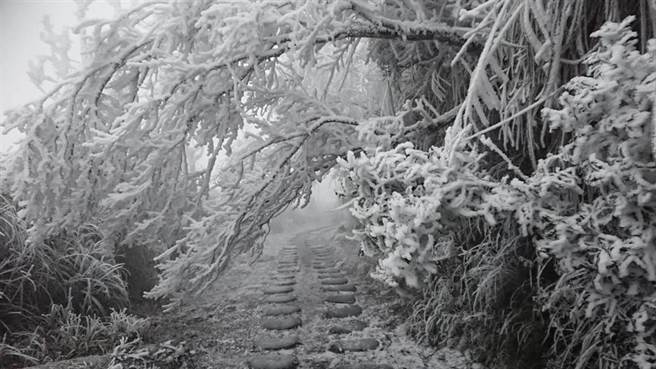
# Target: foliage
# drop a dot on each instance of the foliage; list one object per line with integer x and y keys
{"x": 596, "y": 211}
{"x": 189, "y": 125}
{"x": 68, "y": 266}
{"x": 35, "y": 280}
{"x": 451, "y": 228}
{"x": 64, "y": 334}
{"x": 165, "y": 355}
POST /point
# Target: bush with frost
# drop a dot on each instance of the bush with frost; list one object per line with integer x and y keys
{"x": 588, "y": 211}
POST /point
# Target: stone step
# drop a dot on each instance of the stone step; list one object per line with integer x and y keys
{"x": 284, "y": 275}
{"x": 281, "y": 309}
{"x": 347, "y": 327}
{"x": 333, "y": 281}
{"x": 341, "y": 299}
{"x": 363, "y": 366}
{"x": 329, "y": 271}
{"x": 273, "y": 361}
{"x": 277, "y": 342}
{"x": 280, "y": 298}
{"x": 343, "y": 312}
{"x": 280, "y": 277}
{"x": 284, "y": 282}
{"x": 275, "y": 290}
{"x": 287, "y": 271}
{"x": 339, "y": 288}
{"x": 356, "y": 344}
{"x": 280, "y": 323}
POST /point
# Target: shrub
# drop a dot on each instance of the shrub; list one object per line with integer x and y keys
{"x": 596, "y": 211}
{"x": 449, "y": 230}
{"x": 556, "y": 268}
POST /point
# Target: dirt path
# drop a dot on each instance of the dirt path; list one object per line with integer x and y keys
{"x": 306, "y": 303}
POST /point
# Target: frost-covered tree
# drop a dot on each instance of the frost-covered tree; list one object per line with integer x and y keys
{"x": 188, "y": 125}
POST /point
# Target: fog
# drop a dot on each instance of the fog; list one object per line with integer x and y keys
{"x": 322, "y": 210}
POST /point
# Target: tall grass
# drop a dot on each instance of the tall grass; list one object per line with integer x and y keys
{"x": 58, "y": 299}
{"x": 482, "y": 300}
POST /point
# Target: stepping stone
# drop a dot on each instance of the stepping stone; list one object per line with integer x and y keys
{"x": 358, "y": 344}
{"x": 343, "y": 312}
{"x": 330, "y": 276}
{"x": 281, "y": 309}
{"x": 280, "y": 298}
{"x": 334, "y": 281}
{"x": 329, "y": 271}
{"x": 287, "y": 271}
{"x": 347, "y": 327}
{"x": 284, "y": 282}
{"x": 364, "y": 366}
{"x": 284, "y": 276}
{"x": 340, "y": 299}
{"x": 324, "y": 268}
{"x": 274, "y": 290}
{"x": 281, "y": 323}
{"x": 276, "y": 343}
{"x": 273, "y": 361}
{"x": 339, "y": 288}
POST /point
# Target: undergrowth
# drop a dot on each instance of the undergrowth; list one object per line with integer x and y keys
{"x": 62, "y": 298}
{"x": 554, "y": 269}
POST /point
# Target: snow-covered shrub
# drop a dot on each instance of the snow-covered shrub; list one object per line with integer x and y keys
{"x": 579, "y": 230}
{"x": 450, "y": 232}
{"x": 408, "y": 200}
{"x": 596, "y": 210}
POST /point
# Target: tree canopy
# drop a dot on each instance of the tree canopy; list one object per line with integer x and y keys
{"x": 141, "y": 136}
